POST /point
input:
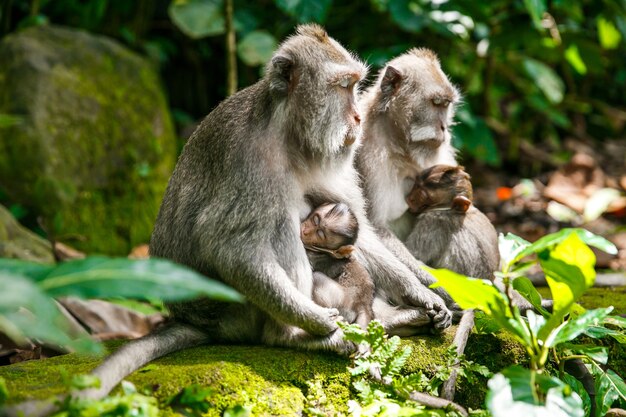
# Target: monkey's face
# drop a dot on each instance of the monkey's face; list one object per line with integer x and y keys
{"x": 330, "y": 227}
{"x": 316, "y": 80}
{"x": 441, "y": 186}
{"x": 423, "y": 99}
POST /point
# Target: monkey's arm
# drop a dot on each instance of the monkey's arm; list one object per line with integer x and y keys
{"x": 267, "y": 285}
{"x": 397, "y": 281}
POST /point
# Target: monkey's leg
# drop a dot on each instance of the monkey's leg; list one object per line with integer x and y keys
{"x": 278, "y": 334}
{"x": 398, "y": 282}
{"x": 401, "y": 321}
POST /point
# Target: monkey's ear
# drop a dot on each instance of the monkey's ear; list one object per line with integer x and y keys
{"x": 343, "y": 252}
{"x": 391, "y": 81}
{"x": 282, "y": 69}
{"x": 461, "y": 203}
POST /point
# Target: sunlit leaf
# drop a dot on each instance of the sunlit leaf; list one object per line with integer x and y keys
{"x": 599, "y": 202}
{"x": 554, "y": 238}
{"x": 597, "y": 332}
{"x": 599, "y": 354}
{"x": 526, "y": 288}
{"x": 574, "y": 327}
{"x": 305, "y": 10}
{"x": 198, "y": 18}
{"x": 578, "y": 387}
{"x": 510, "y": 247}
{"x": 575, "y": 60}
{"x": 256, "y": 48}
{"x": 536, "y": 9}
{"x": 546, "y": 79}
{"x": 608, "y": 34}
{"x": 511, "y": 394}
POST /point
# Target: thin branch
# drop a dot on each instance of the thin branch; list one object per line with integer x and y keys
{"x": 460, "y": 341}
{"x": 231, "y": 49}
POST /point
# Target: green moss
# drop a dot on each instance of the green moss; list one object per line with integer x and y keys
{"x": 97, "y": 147}
{"x": 597, "y": 297}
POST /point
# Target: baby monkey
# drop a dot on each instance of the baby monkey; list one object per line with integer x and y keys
{"x": 449, "y": 232}
{"x": 339, "y": 281}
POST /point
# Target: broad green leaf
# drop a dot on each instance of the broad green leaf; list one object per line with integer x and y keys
{"x": 511, "y": 394}
{"x": 101, "y": 277}
{"x": 574, "y": 327}
{"x": 608, "y": 34}
{"x": 305, "y": 10}
{"x": 29, "y": 269}
{"x": 526, "y": 288}
{"x": 536, "y": 9}
{"x": 554, "y": 238}
{"x": 617, "y": 321}
{"x": 599, "y": 354}
{"x": 256, "y": 48}
{"x": 546, "y": 79}
{"x": 471, "y": 293}
{"x": 597, "y": 332}
{"x": 510, "y": 247}
{"x": 609, "y": 387}
{"x": 198, "y": 18}
{"x": 42, "y": 321}
{"x": 407, "y": 14}
{"x": 579, "y": 389}
{"x": 599, "y": 202}
{"x": 485, "y": 324}
{"x": 572, "y": 55}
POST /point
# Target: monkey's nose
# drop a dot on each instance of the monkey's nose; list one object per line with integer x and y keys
{"x": 443, "y": 128}
{"x": 357, "y": 118}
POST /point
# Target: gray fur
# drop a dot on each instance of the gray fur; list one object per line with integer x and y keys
{"x": 402, "y": 135}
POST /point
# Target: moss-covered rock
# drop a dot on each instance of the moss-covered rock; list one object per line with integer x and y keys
{"x": 17, "y": 242}
{"x": 95, "y": 145}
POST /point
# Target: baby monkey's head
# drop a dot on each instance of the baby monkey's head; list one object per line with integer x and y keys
{"x": 331, "y": 228}
{"x": 441, "y": 187}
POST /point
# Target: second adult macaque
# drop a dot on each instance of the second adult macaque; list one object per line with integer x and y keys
{"x": 449, "y": 231}
{"x": 339, "y": 281}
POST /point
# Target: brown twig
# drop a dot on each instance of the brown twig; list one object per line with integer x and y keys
{"x": 231, "y": 49}
{"x": 460, "y": 341}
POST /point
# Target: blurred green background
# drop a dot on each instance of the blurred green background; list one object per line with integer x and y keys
{"x": 531, "y": 71}
{"x": 534, "y": 74}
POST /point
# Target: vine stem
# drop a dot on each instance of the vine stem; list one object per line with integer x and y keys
{"x": 231, "y": 49}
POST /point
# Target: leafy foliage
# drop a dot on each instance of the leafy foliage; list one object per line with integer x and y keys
{"x": 31, "y": 286}
{"x": 568, "y": 264}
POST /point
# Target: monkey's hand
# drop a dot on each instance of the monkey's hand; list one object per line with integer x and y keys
{"x": 435, "y": 306}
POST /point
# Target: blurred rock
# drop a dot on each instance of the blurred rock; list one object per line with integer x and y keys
{"x": 20, "y": 243}
{"x": 95, "y": 146}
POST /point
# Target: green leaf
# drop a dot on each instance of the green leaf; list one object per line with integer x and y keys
{"x": 305, "y": 10}
{"x": 4, "y": 392}
{"x": 42, "y": 320}
{"x": 526, "y": 288}
{"x": 101, "y": 277}
{"x": 617, "y": 321}
{"x": 575, "y": 60}
{"x": 599, "y": 354}
{"x": 569, "y": 270}
{"x": 536, "y": 9}
{"x": 29, "y": 269}
{"x": 577, "y": 326}
{"x": 609, "y": 387}
{"x": 407, "y": 14}
{"x": 555, "y": 238}
{"x": 599, "y": 201}
{"x": 511, "y": 247}
{"x": 578, "y": 387}
{"x": 256, "y": 48}
{"x": 511, "y": 394}
{"x": 546, "y": 79}
{"x": 608, "y": 34}
{"x": 198, "y": 18}
{"x": 597, "y": 332}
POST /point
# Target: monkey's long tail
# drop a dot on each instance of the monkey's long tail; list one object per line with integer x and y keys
{"x": 126, "y": 360}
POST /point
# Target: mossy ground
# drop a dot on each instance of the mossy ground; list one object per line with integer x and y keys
{"x": 275, "y": 381}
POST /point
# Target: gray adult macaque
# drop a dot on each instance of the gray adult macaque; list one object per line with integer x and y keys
{"x": 408, "y": 113}
{"x": 339, "y": 280}
{"x": 464, "y": 240}
{"x": 247, "y": 177}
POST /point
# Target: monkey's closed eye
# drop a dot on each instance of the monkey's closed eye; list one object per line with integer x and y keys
{"x": 321, "y": 234}
{"x": 344, "y": 83}
{"x": 316, "y": 220}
